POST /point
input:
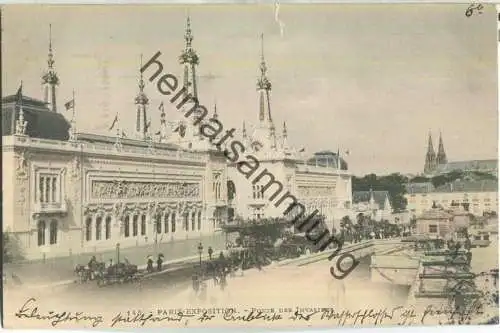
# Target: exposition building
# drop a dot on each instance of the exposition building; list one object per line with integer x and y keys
{"x": 67, "y": 192}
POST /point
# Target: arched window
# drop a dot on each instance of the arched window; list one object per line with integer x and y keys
{"x": 126, "y": 225}
{"x": 158, "y": 223}
{"x": 143, "y": 225}
{"x": 41, "y": 233}
{"x": 53, "y": 232}
{"x": 193, "y": 221}
{"x": 173, "y": 222}
{"x": 165, "y": 229}
{"x": 108, "y": 227}
{"x": 135, "y": 225}
{"x": 186, "y": 221}
{"x": 88, "y": 229}
{"x": 98, "y": 228}
{"x": 199, "y": 220}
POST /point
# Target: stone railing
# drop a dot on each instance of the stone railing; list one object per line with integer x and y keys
{"x": 108, "y": 149}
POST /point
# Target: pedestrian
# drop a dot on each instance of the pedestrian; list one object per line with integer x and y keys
{"x": 210, "y": 252}
{"x": 149, "y": 264}
{"x": 159, "y": 262}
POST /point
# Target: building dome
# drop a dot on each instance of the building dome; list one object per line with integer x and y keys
{"x": 329, "y": 159}
{"x": 41, "y": 121}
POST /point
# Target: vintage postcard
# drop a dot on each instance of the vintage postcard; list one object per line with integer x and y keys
{"x": 260, "y": 165}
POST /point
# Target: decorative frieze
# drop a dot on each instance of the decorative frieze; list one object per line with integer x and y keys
{"x": 133, "y": 190}
{"x": 120, "y": 209}
{"x": 316, "y": 191}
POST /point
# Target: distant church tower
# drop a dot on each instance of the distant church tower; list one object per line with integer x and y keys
{"x": 430, "y": 157}
{"x": 441, "y": 155}
{"x": 141, "y": 100}
{"x": 50, "y": 79}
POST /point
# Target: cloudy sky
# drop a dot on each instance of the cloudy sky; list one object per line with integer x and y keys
{"x": 372, "y": 79}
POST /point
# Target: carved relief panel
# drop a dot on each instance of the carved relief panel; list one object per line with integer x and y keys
{"x": 137, "y": 190}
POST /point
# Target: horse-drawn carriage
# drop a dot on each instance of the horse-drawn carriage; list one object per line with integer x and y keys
{"x": 118, "y": 273}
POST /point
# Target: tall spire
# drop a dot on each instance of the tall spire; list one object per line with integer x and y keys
{"x": 441, "y": 155}
{"x": 430, "y": 157}
{"x": 190, "y": 60}
{"x": 141, "y": 100}
{"x": 215, "y": 116}
{"x": 50, "y": 79}
{"x": 264, "y": 87}
{"x": 285, "y": 138}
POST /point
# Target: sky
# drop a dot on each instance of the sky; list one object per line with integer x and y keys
{"x": 371, "y": 79}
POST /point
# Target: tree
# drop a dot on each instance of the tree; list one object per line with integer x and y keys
{"x": 393, "y": 183}
{"x": 12, "y": 250}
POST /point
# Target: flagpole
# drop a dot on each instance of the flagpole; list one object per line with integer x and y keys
{"x": 74, "y": 105}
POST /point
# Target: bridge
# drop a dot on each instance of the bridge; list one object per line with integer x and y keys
{"x": 372, "y": 247}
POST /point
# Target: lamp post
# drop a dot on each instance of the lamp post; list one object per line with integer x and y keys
{"x": 200, "y": 251}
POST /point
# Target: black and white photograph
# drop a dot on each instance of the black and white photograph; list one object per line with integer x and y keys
{"x": 259, "y": 165}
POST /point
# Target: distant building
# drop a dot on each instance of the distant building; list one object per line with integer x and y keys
{"x": 435, "y": 222}
{"x": 373, "y": 204}
{"x": 476, "y": 197}
{"x": 436, "y": 164}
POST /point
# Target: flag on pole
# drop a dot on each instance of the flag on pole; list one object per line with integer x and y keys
{"x": 302, "y": 150}
{"x": 70, "y": 105}
{"x": 114, "y": 122}
{"x": 347, "y": 152}
{"x": 161, "y": 107}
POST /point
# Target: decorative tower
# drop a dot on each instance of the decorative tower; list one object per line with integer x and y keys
{"x": 50, "y": 79}
{"x": 190, "y": 60}
{"x": 430, "y": 157}
{"x": 441, "y": 155}
{"x": 163, "y": 124}
{"x": 266, "y": 132}
{"x": 264, "y": 88}
{"x": 141, "y": 100}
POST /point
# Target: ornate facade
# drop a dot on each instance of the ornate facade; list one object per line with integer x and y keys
{"x": 67, "y": 192}
{"x": 283, "y": 171}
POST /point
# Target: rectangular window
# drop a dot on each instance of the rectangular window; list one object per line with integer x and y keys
{"x": 433, "y": 228}
{"x": 48, "y": 188}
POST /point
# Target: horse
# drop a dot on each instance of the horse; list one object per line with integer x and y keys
{"x": 83, "y": 273}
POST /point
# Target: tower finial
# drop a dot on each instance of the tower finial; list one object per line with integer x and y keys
{"x": 188, "y": 35}
{"x": 263, "y": 68}
{"x": 244, "y": 130}
{"x": 50, "y": 61}
{"x": 285, "y": 133}
{"x": 141, "y": 79}
{"x": 215, "y": 110}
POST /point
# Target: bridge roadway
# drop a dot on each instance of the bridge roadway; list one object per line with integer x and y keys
{"x": 279, "y": 285}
